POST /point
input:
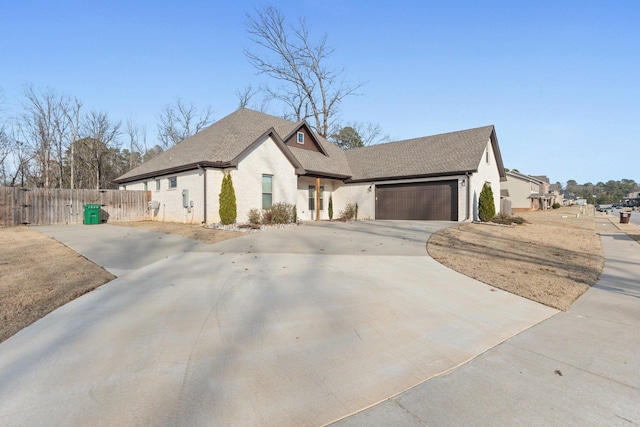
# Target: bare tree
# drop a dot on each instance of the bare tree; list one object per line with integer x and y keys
{"x": 245, "y": 95}
{"x": 22, "y": 156}
{"x": 5, "y": 144}
{"x": 358, "y": 134}
{"x": 5, "y": 151}
{"x": 137, "y": 142}
{"x": 179, "y": 121}
{"x": 51, "y": 124}
{"x": 308, "y": 87}
{"x": 71, "y": 110}
{"x": 371, "y": 133}
{"x": 40, "y": 119}
{"x": 100, "y": 140}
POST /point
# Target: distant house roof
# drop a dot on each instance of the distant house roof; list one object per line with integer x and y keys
{"x": 445, "y": 154}
{"x": 524, "y": 177}
{"x": 542, "y": 178}
{"x": 224, "y": 144}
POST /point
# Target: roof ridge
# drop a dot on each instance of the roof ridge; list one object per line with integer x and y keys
{"x": 423, "y": 137}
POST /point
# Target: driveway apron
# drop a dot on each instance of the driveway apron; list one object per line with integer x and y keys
{"x": 578, "y": 368}
{"x": 119, "y": 250}
{"x": 295, "y": 326}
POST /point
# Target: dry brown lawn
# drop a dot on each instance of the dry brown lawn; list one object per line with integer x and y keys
{"x": 38, "y": 275}
{"x": 191, "y": 231}
{"x": 551, "y": 259}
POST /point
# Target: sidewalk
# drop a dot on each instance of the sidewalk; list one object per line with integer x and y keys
{"x": 580, "y": 367}
{"x": 629, "y": 228}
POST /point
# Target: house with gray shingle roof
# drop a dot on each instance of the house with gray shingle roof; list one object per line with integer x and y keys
{"x": 527, "y": 193}
{"x": 274, "y": 160}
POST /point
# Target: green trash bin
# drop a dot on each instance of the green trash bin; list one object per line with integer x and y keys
{"x": 91, "y": 214}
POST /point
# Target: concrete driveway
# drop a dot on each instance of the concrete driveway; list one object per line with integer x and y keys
{"x": 578, "y": 368}
{"x": 296, "y": 326}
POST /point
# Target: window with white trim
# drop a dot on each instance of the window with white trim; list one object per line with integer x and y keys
{"x": 312, "y": 197}
{"x": 300, "y": 138}
{"x": 267, "y": 191}
{"x": 157, "y": 185}
{"x": 173, "y": 182}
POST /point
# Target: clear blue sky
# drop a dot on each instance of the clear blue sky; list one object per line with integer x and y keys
{"x": 560, "y": 80}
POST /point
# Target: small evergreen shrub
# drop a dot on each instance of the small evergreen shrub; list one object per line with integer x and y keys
{"x": 486, "y": 205}
{"x": 556, "y": 206}
{"x": 330, "y": 207}
{"x": 349, "y": 212}
{"x": 227, "y": 201}
{"x": 356, "y": 214}
{"x": 295, "y": 214}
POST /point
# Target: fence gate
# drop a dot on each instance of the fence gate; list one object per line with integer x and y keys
{"x": 48, "y": 206}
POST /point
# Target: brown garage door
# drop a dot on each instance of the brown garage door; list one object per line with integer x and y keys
{"x": 420, "y": 200}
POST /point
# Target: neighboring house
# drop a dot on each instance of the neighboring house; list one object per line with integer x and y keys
{"x": 551, "y": 190}
{"x": 556, "y": 195}
{"x": 632, "y": 199}
{"x": 568, "y": 198}
{"x": 274, "y": 160}
{"x": 526, "y": 192}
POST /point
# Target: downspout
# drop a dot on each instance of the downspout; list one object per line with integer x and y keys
{"x": 469, "y": 212}
{"x": 317, "y": 199}
{"x": 204, "y": 209}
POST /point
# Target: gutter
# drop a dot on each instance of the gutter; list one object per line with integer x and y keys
{"x": 204, "y": 179}
{"x": 444, "y": 175}
{"x": 326, "y": 175}
{"x": 182, "y": 168}
{"x": 469, "y": 213}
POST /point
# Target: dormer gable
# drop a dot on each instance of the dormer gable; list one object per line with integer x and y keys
{"x": 303, "y": 137}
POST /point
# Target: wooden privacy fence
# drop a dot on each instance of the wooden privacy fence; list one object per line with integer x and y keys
{"x": 46, "y": 206}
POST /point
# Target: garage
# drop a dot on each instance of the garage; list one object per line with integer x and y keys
{"x": 434, "y": 201}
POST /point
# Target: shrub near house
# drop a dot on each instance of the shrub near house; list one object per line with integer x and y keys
{"x": 228, "y": 210}
{"x": 486, "y": 205}
{"x": 279, "y": 213}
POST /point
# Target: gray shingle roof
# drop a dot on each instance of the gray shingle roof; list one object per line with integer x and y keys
{"x": 225, "y": 140}
{"x": 523, "y": 177}
{"x": 333, "y": 164}
{"x": 222, "y": 144}
{"x": 448, "y": 153}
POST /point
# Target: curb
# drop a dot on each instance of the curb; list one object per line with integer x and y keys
{"x": 625, "y": 228}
